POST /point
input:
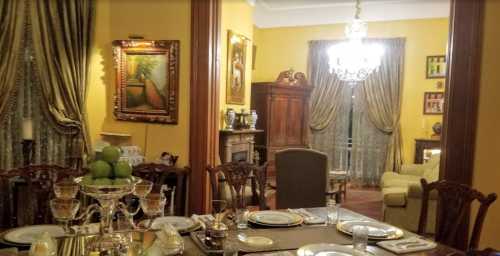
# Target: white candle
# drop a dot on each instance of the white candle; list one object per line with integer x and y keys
{"x": 27, "y": 129}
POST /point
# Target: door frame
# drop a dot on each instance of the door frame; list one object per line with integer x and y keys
{"x": 461, "y": 98}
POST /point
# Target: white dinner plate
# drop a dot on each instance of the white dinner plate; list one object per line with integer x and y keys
{"x": 326, "y": 250}
{"x": 29, "y": 234}
{"x": 182, "y": 224}
{"x": 376, "y": 230}
{"x": 275, "y": 218}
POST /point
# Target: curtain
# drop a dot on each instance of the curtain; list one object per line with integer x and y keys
{"x": 62, "y": 54}
{"x": 11, "y": 37}
{"x": 50, "y": 146}
{"x": 382, "y": 92}
{"x": 328, "y": 89}
{"x": 369, "y": 144}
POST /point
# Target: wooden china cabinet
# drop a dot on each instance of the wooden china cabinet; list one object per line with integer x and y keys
{"x": 283, "y": 111}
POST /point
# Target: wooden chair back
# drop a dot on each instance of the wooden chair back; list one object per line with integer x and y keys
{"x": 454, "y": 206}
{"x": 38, "y": 181}
{"x": 301, "y": 178}
{"x": 172, "y": 176}
{"x": 237, "y": 175}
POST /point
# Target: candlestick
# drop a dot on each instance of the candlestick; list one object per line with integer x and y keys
{"x": 27, "y": 129}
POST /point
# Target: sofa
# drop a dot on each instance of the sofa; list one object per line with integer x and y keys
{"x": 402, "y": 195}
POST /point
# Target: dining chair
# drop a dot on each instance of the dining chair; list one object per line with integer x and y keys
{"x": 174, "y": 177}
{"x": 454, "y": 203}
{"x": 230, "y": 181}
{"x": 301, "y": 179}
{"x": 28, "y": 190}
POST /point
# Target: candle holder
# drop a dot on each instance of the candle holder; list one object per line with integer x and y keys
{"x": 27, "y": 151}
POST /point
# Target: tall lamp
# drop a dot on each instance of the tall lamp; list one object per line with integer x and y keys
{"x": 28, "y": 142}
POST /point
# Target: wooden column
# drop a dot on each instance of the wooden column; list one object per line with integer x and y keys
{"x": 462, "y": 92}
{"x": 204, "y": 98}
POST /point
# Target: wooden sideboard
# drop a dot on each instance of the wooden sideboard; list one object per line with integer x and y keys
{"x": 423, "y": 144}
{"x": 283, "y": 115}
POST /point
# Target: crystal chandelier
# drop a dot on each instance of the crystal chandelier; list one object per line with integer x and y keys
{"x": 353, "y": 61}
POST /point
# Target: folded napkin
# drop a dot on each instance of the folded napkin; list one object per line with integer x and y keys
{"x": 408, "y": 245}
{"x": 203, "y": 219}
{"x": 309, "y": 218}
{"x": 87, "y": 229}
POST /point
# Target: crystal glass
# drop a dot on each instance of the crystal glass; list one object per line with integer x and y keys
{"x": 360, "y": 237}
{"x": 332, "y": 213}
{"x": 143, "y": 188}
{"x": 171, "y": 243}
{"x": 64, "y": 210}
{"x": 241, "y": 218}
{"x": 153, "y": 204}
{"x": 66, "y": 189}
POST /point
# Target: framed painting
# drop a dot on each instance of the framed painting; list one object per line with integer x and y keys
{"x": 236, "y": 66}
{"x": 147, "y": 80}
{"x": 433, "y": 103}
{"x": 436, "y": 67}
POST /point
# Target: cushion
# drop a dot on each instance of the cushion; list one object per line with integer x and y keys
{"x": 395, "y": 196}
{"x": 392, "y": 179}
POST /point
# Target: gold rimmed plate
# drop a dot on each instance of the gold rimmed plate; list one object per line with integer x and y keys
{"x": 182, "y": 224}
{"x": 28, "y": 234}
{"x": 275, "y": 218}
{"x": 376, "y": 230}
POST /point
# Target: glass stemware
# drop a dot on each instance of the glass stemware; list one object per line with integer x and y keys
{"x": 65, "y": 189}
{"x": 64, "y": 211}
{"x": 153, "y": 205}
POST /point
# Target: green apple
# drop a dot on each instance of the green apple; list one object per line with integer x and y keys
{"x": 103, "y": 182}
{"x": 87, "y": 180}
{"x": 100, "y": 169}
{"x": 121, "y": 181}
{"x": 110, "y": 154}
{"x": 122, "y": 169}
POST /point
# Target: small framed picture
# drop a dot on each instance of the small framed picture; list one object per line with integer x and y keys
{"x": 433, "y": 103}
{"x": 436, "y": 67}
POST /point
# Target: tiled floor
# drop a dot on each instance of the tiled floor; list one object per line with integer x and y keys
{"x": 366, "y": 201}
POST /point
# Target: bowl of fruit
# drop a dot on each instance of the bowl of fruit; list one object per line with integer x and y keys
{"x": 108, "y": 178}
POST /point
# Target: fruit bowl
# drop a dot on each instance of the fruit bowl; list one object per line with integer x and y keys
{"x": 108, "y": 192}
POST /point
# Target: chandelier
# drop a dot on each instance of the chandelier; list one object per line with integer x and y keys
{"x": 353, "y": 61}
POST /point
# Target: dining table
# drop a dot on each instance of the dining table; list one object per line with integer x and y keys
{"x": 287, "y": 240}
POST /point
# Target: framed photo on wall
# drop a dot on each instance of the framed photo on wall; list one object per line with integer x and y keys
{"x": 147, "y": 80}
{"x": 236, "y": 66}
{"x": 436, "y": 67}
{"x": 433, "y": 103}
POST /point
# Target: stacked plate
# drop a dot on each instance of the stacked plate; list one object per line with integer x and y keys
{"x": 24, "y": 236}
{"x": 275, "y": 218}
{"x": 326, "y": 249}
{"x": 182, "y": 224}
{"x": 376, "y": 230}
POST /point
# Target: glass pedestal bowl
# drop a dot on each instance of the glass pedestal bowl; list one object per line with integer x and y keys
{"x": 108, "y": 197}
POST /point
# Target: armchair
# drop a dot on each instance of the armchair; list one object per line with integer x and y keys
{"x": 402, "y": 195}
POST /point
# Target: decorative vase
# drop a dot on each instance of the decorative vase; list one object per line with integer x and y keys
{"x": 229, "y": 118}
{"x": 252, "y": 119}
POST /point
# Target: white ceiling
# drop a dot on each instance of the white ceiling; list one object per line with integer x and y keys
{"x": 285, "y": 13}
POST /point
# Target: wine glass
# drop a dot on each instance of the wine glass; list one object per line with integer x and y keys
{"x": 66, "y": 189}
{"x": 153, "y": 205}
{"x": 64, "y": 211}
{"x": 143, "y": 188}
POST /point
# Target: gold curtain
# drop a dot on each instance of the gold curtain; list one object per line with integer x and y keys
{"x": 383, "y": 91}
{"x": 11, "y": 36}
{"x": 62, "y": 36}
{"x": 326, "y": 97}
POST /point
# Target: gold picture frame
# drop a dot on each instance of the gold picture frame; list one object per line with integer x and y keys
{"x": 237, "y": 45}
{"x": 436, "y": 67}
{"x": 147, "y": 80}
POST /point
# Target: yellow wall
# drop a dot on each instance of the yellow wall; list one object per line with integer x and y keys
{"x": 152, "y": 19}
{"x": 281, "y": 48}
{"x": 487, "y": 165}
{"x": 236, "y": 15}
